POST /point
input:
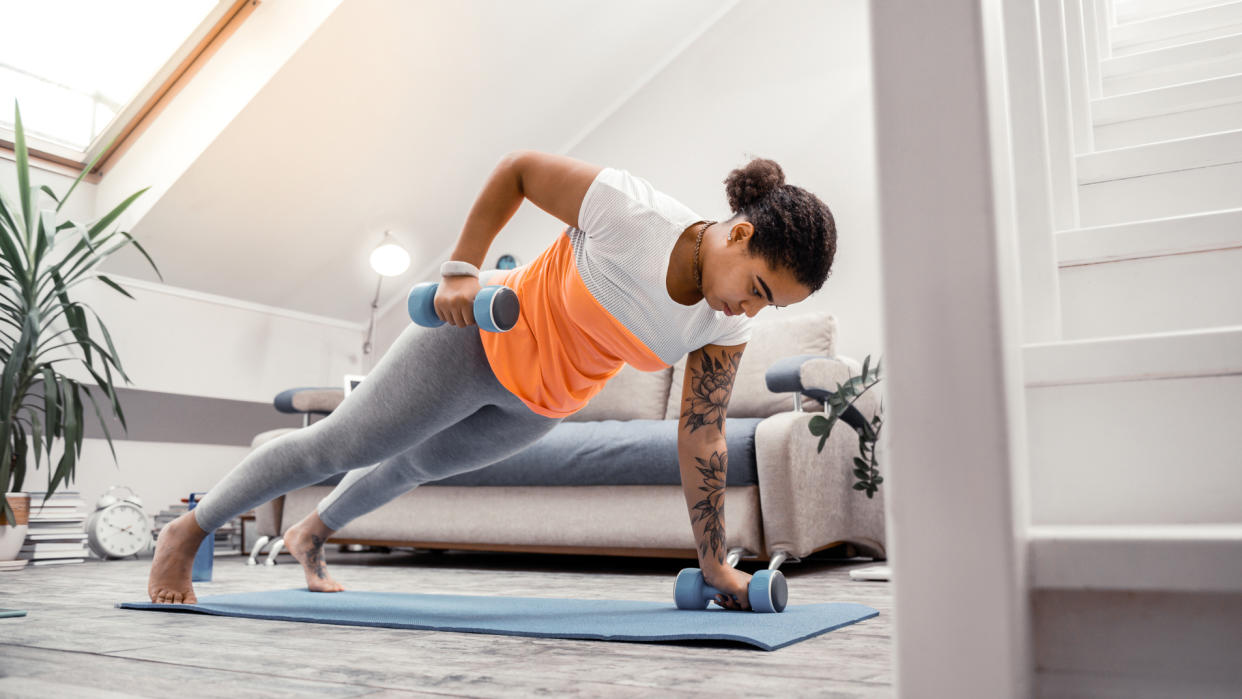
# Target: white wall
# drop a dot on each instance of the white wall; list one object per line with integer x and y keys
{"x": 788, "y": 80}
{"x": 753, "y": 84}
{"x": 203, "y": 346}
{"x": 81, "y": 205}
{"x": 220, "y": 89}
{"x": 176, "y": 341}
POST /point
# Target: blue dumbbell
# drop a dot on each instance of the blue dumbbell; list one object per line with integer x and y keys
{"x": 496, "y": 308}
{"x": 768, "y": 591}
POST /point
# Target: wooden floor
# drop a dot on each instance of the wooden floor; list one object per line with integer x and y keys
{"x": 74, "y": 642}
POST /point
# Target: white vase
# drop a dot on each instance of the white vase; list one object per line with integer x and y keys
{"x": 12, "y": 536}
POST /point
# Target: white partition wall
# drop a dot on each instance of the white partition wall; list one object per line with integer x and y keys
{"x": 952, "y": 334}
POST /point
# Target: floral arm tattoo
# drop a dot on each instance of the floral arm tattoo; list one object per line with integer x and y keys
{"x": 709, "y": 384}
{"x": 710, "y": 510}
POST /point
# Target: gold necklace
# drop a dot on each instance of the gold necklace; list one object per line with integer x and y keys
{"x": 698, "y": 266}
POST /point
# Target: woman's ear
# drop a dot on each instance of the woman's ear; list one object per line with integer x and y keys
{"x": 741, "y": 231}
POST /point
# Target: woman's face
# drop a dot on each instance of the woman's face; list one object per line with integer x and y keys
{"x": 736, "y": 283}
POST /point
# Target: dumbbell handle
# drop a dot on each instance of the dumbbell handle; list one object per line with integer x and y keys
{"x": 767, "y": 591}
{"x": 496, "y": 308}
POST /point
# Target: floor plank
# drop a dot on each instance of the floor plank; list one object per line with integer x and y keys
{"x": 75, "y": 642}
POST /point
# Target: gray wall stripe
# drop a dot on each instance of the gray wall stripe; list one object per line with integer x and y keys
{"x": 153, "y": 416}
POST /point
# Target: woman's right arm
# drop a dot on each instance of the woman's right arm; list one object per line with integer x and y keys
{"x": 555, "y": 183}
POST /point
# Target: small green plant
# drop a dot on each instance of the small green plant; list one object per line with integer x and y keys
{"x": 41, "y": 260}
{"x": 841, "y": 407}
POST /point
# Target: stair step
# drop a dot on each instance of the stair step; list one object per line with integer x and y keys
{"x": 1170, "y": 30}
{"x": 1158, "y": 180}
{"x": 1168, "y": 113}
{"x": 1152, "y": 238}
{"x": 1176, "y": 355}
{"x": 1163, "y": 157}
{"x": 1169, "y": 127}
{"x": 1191, "y": 62}
{"x": 1138, "y": 429}
{"x": 1168, "y": 100}
{"x": 1153, "y": 276}
{"x": 1141, "y": 10}
{"x": 1173, "y": 558}
{"x": 1151, "y": 295}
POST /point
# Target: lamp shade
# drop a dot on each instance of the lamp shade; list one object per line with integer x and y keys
{"x": 390, "y": 259}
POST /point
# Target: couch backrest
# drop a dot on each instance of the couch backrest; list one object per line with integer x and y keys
{"x": 776, "y": 336}
{"x": 630, "y": 395}
{"x": 638, "y": 395}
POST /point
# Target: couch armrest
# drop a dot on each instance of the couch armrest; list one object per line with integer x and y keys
{"x": 268, "y": 517}
{"x": 314, "y": 401}
{"x": 807, "y": 498}
{"x": 816, "y": 376}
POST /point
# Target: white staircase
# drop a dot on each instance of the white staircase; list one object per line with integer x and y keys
{"x": 1135, "y": 451}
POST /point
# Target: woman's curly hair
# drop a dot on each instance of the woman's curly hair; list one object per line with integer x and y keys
{"x": 794, "y": 230}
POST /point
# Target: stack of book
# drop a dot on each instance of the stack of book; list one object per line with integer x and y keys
{"x": 57, "y": 533}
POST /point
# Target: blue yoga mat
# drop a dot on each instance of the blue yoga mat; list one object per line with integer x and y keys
{"x": 607, "y": 620}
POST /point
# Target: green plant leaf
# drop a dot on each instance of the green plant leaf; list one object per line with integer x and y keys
{"x": 20, "y": 449}
{"x": 114, "y": 213}
{"x": 89, "y": 166}
{"x": 6, "y": 470}
{"x": 13, "y": 252}
{"x": 104, "y": 425}
{"x": 38, "y": 437}
{"x": 47, "y": 229}
{"x": 818, "y": 425}
{"x": 112, "y": 355}
{"x": 144, "y": 254}
{"x": 8, "y": 225}
{"x": 860, "y": 486}
{"x": 112, "y": 284}
{"x": 51, "y": 403}
{"x": 8, "y": 384}
{"x": 106, "y": 386}
{"x": 48, "y": 191}
{"x": 23, "y": 171}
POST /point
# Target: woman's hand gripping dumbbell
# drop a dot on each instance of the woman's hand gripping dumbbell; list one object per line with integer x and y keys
{"x": 462, "y": 302}
{"x": 767, "y": 591}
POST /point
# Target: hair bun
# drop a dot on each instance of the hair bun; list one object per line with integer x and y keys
{"x": 752, "y": 182}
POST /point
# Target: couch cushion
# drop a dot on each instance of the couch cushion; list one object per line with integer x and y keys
{"x": 772, "y": 338}
{"x": 609, "y": 452}
{"x": 630, "y": 395}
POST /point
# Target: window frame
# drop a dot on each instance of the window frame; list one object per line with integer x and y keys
{"x": 198, "y": 48}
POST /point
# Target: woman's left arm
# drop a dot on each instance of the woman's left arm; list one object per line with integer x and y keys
{"x": 704, "y": 460}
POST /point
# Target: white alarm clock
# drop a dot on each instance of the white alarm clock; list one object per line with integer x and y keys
{"x": 118, "y": 527}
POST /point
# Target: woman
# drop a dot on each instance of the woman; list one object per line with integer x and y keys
{"x": 637, "y": 279}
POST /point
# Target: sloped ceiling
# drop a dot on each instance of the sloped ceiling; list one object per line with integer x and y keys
{"x": 390, "y": 117}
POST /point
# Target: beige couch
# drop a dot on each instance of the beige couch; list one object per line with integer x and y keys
{"x": 803, "y": 501}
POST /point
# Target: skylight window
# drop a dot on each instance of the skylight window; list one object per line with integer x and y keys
{"x": 80, "y": 69}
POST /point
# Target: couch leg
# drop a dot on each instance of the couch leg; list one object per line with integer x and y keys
{"x": 776, "y": 559}
{"x": 258, "y": 547}
{"x": 277, "y": 546}
{"x": 734, "y": 555}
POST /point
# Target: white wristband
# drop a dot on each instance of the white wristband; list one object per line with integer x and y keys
{"x": 457, "y": 268}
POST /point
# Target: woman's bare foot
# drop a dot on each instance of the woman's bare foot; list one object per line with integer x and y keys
{"x": 305, "y": 541}
{"x": 171, "y": 569}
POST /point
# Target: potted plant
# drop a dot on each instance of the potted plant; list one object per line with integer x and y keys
{"x": 841, "y": 406}
{"x": 41, "y": 260}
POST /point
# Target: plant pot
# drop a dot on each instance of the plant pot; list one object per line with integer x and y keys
{"x": 13, "y": 535}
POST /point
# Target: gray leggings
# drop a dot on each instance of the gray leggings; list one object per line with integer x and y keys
{"x": 431, "y": 408}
